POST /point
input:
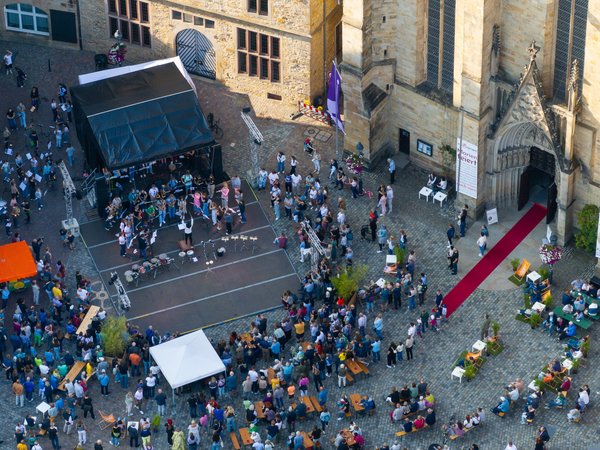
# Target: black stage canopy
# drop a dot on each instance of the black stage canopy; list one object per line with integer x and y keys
{"x": 139, "y": 117}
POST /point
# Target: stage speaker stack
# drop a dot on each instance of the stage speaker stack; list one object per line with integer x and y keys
{"x": 102, "y": 194}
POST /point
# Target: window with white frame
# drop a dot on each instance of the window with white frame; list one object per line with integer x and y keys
{"x": 26, "y": 18}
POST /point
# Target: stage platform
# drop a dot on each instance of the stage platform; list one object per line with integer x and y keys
{"x": 190, "y": 296}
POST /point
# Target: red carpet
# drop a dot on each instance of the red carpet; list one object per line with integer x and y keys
{"x": 493, "y": 257}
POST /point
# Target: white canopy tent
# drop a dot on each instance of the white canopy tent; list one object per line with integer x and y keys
{"x": 187, "y": 359}
{"x": 117, "y": 71}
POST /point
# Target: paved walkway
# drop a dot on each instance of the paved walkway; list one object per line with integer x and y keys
{"x": 526, "y": 350}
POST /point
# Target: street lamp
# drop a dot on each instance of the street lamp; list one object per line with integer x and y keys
{"x": 256, "y": 138}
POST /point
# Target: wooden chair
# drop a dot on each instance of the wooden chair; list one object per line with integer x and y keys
{"x": 522, "y": 270}
{"x": 106, "y": 420}
{"x": 234, "y": 441}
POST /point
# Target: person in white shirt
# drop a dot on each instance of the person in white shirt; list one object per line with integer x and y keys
{"x": 482, "y": 244}
{"x": 273, "y": 177}
{"x": 443, "y": 184}
{"x": 511, "y": 446}
{"x": 389, "y": 193}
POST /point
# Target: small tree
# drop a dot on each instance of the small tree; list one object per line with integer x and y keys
{"x": 114, "y": 332}
{"x": 349, "y": 280}
{"x": 400, "y": 254}
{"x": 587, "y": 219}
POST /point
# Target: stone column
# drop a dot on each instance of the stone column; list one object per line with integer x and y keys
{"x": 357, "y": 120}
{"x": 473, "y": 92}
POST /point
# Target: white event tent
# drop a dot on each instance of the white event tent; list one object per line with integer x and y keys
{"x": 186, "y": 359}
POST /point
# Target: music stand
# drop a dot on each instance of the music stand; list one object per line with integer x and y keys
{"x": 253, "y": 239}
{"x": 235, "y": 239}
{"x": 244, "y": 239}
{"x": 209, "y": 266}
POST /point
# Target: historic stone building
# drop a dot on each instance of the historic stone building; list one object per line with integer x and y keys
{"x": 511, "y": 86}
{"x": 269, "y": 49}
{"x": 44, "y": 22}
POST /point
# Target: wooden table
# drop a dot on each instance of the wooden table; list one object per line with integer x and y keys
{"x": 309, "y": 406}
{"x": 72, "y": 374}
{"x": 355, "y": 399}
{"x": 353, "y": 366}
{"x": 245, "y": 435}
{"x": 308, "y": 443}
{"x": 87, "y": 320}
{"x": 259, "y": 407}
{"x": 348, "y": 437}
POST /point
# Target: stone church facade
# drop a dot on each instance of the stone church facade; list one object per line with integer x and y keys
{"x": 509, "y": 86}
{"x": 271, "y": 50}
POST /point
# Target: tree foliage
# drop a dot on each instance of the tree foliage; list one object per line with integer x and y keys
{"x": 349, "y": 280}
{"x": 114, "y": 332}
{"x": 587, "y": 219}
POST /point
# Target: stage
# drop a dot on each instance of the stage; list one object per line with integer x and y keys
{"x": 190, "y": 296}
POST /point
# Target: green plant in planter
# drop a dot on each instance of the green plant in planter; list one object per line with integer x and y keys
{"x": 549, "y": 302}
{"x": 585, "y": 348}
{"x": 576, "y": 364}
{"x": 535, "y": 320}
{"x": 495, "y": 328}
{"x": 470, "y": 372}
{"x": 348, "y": 281}
{"x": 526, "y": 301}
{"x": 400, "y": 255}
{"x": 544, "y": 272}
{"x": 155, "y": 423}
{"x": 514, "y": 263}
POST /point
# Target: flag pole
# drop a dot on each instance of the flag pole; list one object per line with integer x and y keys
{"x": 337, "y": 129}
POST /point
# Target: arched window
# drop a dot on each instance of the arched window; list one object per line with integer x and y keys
{"x": 26, "y": 18}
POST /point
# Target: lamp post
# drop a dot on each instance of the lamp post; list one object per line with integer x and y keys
{"x": 256, "y": 138}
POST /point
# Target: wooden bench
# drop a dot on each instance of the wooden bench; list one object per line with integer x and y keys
{"x": 72, "y": 374}
{"x": 87, "y": 320}
{"x": 414, "y": 430}
{"x": 234, "y": 441}
{"x": 349, "y": 378}
{"x": 245, "y": 435}
{"x": 465, "y": 430}
{"x": 316, "y": 405}
{"x": 363, "y": 367}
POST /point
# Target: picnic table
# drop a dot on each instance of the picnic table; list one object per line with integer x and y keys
{"x": 259, "y": 407}
{"x": 308, "y": 443}
{"x": 87, "y": 320}
{"x": 353, "y": 366}
{"x": 309, "y": 406}
{"x": 355, "y": 399}
{"x": 245, "y": 435}
{"x": 72, "y": 374}
{"x": 588, "y": 300}
{"x": 348, "y": 437}
{"x": 583, "y": 323}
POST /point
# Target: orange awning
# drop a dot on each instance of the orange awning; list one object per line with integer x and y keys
{"x": 16, "y": 262}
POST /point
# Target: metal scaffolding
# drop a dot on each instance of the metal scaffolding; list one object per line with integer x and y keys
{"x": 316, "y": 249}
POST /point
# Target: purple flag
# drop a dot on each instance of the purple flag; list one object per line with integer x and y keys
{"x": 333, "y": 97}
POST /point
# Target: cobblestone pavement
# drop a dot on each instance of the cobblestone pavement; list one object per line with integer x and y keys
{"x": 526, "y": 350}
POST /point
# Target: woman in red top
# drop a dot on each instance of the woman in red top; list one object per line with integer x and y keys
{"x": 419, "y": 422}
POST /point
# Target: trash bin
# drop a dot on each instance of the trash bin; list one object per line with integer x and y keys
{"x": 101, "y": 61}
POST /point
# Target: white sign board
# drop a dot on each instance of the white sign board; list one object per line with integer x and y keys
{"x": 598, "y": 239}
{"x": 492, "y": 216}
{"x": 466, "y": 168}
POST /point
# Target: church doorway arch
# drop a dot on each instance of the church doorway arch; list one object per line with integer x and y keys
{"x": 537, "y": 182}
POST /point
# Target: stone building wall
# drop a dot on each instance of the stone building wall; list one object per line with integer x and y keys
{"x": 32, "y": 38}
{"x": 297, "y": 23}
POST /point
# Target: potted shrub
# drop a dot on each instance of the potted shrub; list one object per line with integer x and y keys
{"x": 549, "y": 302}
{"x": 114, "y": 336}
{"x": 495, "y": 328}
{"x": 347, "y": 282}
{"x": 576, "y": 364}
{"x": 585, "y": 348}
{"x": 470, "y": 372}
{"x": 535, "y": 320}
{"x": 514, "y": 263}
{"x": 155, "y": 423}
